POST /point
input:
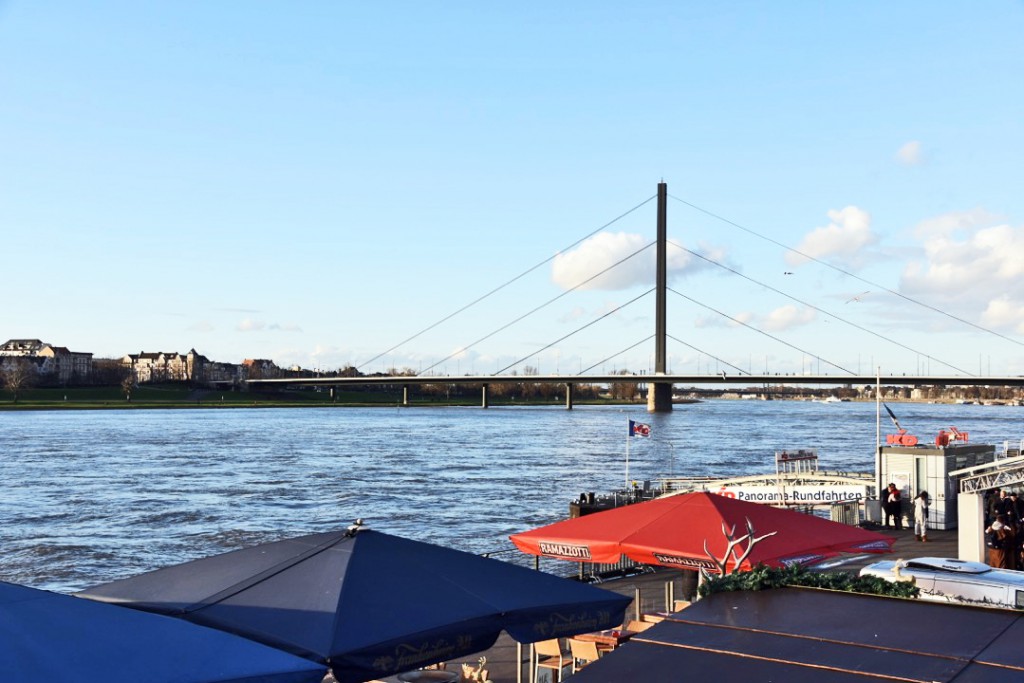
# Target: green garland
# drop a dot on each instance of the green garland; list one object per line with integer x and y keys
{"x": 763, "y": 577}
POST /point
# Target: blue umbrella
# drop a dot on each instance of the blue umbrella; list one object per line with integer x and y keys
{"x": 366, "y": 603}
{"x": 47, "y": 636}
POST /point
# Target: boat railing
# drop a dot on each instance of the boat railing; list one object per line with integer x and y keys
{"x": 1010, "y": 449}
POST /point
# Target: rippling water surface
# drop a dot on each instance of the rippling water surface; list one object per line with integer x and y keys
{"x": 90, "y": 496}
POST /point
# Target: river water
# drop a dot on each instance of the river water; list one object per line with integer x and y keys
{"x": 91, "y": 496}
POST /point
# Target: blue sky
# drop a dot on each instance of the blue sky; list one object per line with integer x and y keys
{"x": 316, "y": 182}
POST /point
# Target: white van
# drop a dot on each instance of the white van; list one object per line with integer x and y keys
{"x": 951, "y": 580}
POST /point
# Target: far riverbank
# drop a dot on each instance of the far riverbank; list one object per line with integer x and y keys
{"x": 180, "y": 396}
{"x": 183, "y": 397}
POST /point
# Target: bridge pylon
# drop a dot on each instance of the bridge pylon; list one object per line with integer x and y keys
{"x": 659, "y": 394}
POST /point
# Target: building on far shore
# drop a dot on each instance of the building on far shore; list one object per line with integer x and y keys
{"x": 171, "y": 366}
{"x": 162, "y": 366}
{"x": 55, "y": 364}
{"x": 260, "y": 368}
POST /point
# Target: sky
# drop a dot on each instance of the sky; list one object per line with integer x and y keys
{"x": 452, "y": 187}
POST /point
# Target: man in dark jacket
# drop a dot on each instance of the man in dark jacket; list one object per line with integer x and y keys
{"x": 991, "y": 503}
{"x": 892, "y": 506}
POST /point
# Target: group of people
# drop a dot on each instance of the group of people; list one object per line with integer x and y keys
{"x": 892, "y": 505}
{"x": 1004, "y": 534}
{"x": 1004, "y": 523}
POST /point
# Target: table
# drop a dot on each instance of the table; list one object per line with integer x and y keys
{"x": 611, "y": 638}
{"x": 429, "y": 676}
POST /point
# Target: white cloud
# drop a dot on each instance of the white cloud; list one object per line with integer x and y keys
{"x": 975, "y": 268}
{"x": 577, "y": 313}
{"x": 734, "y": 320}
{"x": 844, "y": 238}
{"x": 605, "y": 251}
{"x": 201, "y": 326}
{"x": 786, "y": 318}
{"x": 781, "y": 319}
{"x": 1004, "y": 314}
{"x": 250, "y": 325}
{"x": 707, "y": 321}
{"x": 742, "y": 317}
{"x": 910, "y": 154}
{"x": 953, "y": 223}
{"x": 321, "y": 357}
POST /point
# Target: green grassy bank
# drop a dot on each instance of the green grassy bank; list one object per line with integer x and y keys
{"x": 183, "y": 396}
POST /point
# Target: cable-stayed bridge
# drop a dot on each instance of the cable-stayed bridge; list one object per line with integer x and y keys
{"x": 667, "y": 380}
{"x": 661, "y": 381}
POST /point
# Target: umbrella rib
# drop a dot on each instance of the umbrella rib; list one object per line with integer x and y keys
{"x": 236, "y": 588}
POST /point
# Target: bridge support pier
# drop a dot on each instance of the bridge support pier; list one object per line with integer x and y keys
{"x": 659, "y": 397}
{"x": 568, "y": 395}
{"x": 405, "y": 395}
{"x": 485, "y": 396}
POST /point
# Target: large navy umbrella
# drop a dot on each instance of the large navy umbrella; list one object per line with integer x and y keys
{"x": 366, "y": 603}
{"x": 47, "y": 636}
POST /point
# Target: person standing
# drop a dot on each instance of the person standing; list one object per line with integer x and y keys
{"x": 1004, "y": 506}
{"x": 991, "y": 503}
{"x": 1016, "y": 510}
{"x": 921, "y": 516}
{"x": 892, "y": 506}
{"x": 999, "y": 540}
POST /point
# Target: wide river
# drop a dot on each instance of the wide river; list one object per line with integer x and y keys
{"x": 90, "y": 496}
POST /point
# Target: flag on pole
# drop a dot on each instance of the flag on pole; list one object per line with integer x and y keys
{"x": 893, "y": 416}
{"x": 639, "y": 429}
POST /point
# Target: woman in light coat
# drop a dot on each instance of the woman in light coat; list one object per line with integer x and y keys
{"x": 921, "y": 516}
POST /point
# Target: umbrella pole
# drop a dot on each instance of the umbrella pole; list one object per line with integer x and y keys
{"x": 519, "y": 662}
{"x": 636, "y": 602}
{"x": 627, "y": 465}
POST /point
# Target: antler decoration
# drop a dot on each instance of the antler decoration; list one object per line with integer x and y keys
{"x": 478, "y": 674}
{"x": 732, "y": 549}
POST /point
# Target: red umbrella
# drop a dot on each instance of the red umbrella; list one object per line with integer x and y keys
{"x": 685, "y": 530}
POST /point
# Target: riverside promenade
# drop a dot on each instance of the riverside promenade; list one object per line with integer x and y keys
{"x": 501, "y": 659}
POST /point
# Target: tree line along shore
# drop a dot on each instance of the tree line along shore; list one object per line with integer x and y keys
{"x": 184, "y": 395}
{"x": 190, "y": 395}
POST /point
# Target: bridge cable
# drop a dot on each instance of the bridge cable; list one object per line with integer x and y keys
{"x": 617, "y": 353}
{"x": 503, "y": 286}
{"x": 531, "y": 312}
{"x": 848, "y": 273}
{"x": 630, "y": 348}
{"x": 580, "y": 329}
{"x": 820, "y": 310}
{"x": 751, "y": 327}
{"x": 717, "y": 359}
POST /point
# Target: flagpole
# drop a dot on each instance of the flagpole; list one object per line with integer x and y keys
{"x": 628, "y": 439}
{"x": 878, "y": 406}
{"x": 878, "y": 432}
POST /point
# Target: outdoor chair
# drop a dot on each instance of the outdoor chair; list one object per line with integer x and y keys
{"x": 583, "y": 653}
{"x": 638, "y": 626}
{"x": 550, "y": 656}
